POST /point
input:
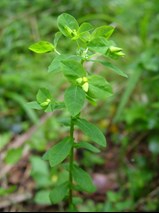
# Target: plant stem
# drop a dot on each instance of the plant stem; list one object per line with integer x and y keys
{"x": 71, "y": 162}
{"x": 57, "y": 52}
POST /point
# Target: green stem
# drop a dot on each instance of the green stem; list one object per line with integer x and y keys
{"x": 57, "y": 52}
{"x": 71, "y": 162}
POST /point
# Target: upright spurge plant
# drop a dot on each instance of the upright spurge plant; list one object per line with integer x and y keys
{"x": 91, "y": 43}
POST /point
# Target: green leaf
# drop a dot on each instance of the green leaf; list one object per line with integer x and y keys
{"x": 112, "y": 67}
{"x": 42, "y": 197}
{"x": 72, "y": 69}
{"x": 67, "y": 24}
{"x": 34, "y": 105}
{"x": 100, "y": 45}
{"x": 55, "y": 65}
{"x": 59, "y": 193}
{"x": 42, "y": 47}
{"x": 103, "y": 31}
{"x": 13, "y": 156}
{"x": 39, "y": 166}
{"x": 57, "y": 37}
{"x": 77, "y": 200}
{"x": 44, "y": 97}
{"x": 50, "y": 108}
{"x": 83, "y": 32}
{"x": 85, "y": 27}
{"x": 92, "y": 131}
{"x": 40, "y": 172}
{"x": 59, "y": 105}
{"x": 99, "y": 88}
{"x": 74, "y": 99}
{"x": 87, "y": 146}
{"x": 63, "y": 177}
{"x": 59, "y": 152}
{"x": 83, "y": 179}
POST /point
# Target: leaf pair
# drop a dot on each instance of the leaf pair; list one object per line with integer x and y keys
{"x": 55, "y": 65}
{"x": 44, "y": 101}
{"x": 72, "y": 69}
{"x": 97, "y": 88}
{"x": 82, "y": 180}
{"x": 60, "y": 151}
{"x": 69, "y": 27}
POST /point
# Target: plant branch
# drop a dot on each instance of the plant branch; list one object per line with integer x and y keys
{"x": 71, "y": 162}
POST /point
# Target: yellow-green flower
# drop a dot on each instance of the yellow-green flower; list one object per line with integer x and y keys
{"x": 116, "y": 51}
{"x": 45, "y": 103}
{"x": 85, "y": 87}
{"x": 83, "y": 83}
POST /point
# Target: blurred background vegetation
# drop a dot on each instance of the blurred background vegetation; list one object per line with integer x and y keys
{"x": 127, "y": 172}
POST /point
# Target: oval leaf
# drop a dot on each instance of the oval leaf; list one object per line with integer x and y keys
{"x": 42, "y": 47}
{"x": 56, "y": 62}
{"x": 74, "y": 99}
{"x": 34, "y": 105}
{"x": 85, "y": 27}
{"x": 55, "y": 65}
{"x": 59, "y": 152}
{"x": 83, "y": 179}
{"x": 42, "y": 197}
{"x": 67, "y": 24}
{"x": 59, "y": 193}
{"x": 99, "y": 88}
{"x": 92, "y": 131}
{"x": 103, "y": 31}
{"x": 72, "y": 69}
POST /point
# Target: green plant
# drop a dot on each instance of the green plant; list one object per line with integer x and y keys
{"x": 90, "y": 43}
